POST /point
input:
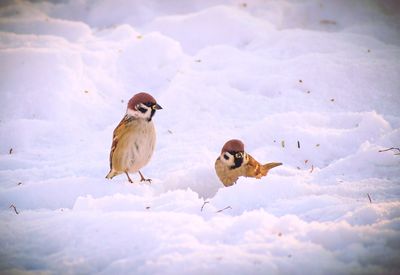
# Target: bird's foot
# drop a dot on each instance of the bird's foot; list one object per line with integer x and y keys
{"x": 129, "y": 178}
{"x": 143, "y": 178}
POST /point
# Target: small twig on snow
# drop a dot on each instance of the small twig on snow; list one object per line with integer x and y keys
{"x": 15, "y": 208}
{"x": 312, "y": 168}
{"x": 389, "y": 149}
{"x": 228, "y": 207}
{"x": 369, "y": 197}
{"x": 298, "y": 144}
{"x": 201, "y": 210}
{"x": 11, "y": 150}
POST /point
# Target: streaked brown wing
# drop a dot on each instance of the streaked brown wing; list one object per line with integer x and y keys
{"x": 117, "y": 134}
{"x": 253, "y": 168}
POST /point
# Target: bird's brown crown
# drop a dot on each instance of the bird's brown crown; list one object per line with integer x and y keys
{"x": 234, "y": 145}
{"x": 140, "y": 98}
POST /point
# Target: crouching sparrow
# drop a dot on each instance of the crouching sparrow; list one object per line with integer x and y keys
{"x": 134, "y": 138}
{"x": 235, "y": 162}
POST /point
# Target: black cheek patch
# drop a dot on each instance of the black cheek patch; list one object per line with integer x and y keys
{"x": 226, "y": 157}
{"x": 142, "y": 110}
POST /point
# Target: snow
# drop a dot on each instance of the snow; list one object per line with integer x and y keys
{"x": 324, "y": 75}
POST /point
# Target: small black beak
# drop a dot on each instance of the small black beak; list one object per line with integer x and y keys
{"x": 156, "y": 107}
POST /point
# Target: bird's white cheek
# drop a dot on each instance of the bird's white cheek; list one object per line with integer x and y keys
{"x": 137, "y": 114}
{"x": 132, "y": 113}
{"x": 229, "y": 162}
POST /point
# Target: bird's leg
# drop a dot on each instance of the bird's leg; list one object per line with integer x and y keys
{"x": 143, "y": 178}
{"x": 128, "y": 177}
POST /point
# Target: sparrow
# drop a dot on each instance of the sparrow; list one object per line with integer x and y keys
{"x": 235, "y": 162}
{"x": 134, "y": 138}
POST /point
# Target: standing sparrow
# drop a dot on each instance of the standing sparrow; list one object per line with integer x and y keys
{"x": 134, "y": 138}
{"x": 235, "y": 162}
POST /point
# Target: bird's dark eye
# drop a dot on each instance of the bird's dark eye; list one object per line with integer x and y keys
{"x": 149, "y": 104}
{"x": 142, "y": 110}
{"x": 226, "y": 156}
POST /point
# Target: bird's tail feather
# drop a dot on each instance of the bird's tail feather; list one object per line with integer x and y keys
{"x": 111, "y": 174}
{"x": 266, "y": 167}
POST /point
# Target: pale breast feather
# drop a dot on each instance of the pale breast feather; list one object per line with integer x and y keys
{"x": 144, "y": 143}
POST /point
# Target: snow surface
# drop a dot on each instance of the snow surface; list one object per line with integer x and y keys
{"x": 324, "y": 73}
